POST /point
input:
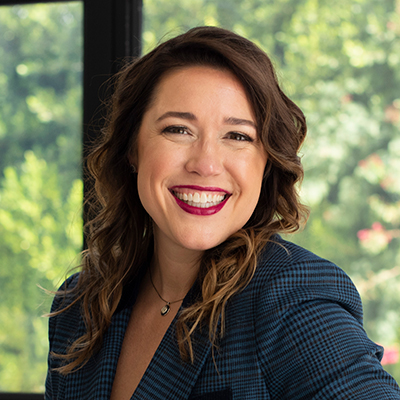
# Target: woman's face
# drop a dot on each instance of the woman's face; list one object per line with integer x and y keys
{"x": 200, "y": 163}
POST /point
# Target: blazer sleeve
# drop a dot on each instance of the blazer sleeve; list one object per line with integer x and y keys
{"x": 310, "y": 338}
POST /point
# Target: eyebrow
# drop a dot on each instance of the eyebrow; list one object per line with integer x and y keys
{"x": 191, "y": 117}
{"x": 239, "y": 121}
{"x": 176, "y": 114}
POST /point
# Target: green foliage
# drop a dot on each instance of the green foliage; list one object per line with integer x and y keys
{"x": 40, "y": 185}
{"x": 41, "y": 84}
{"x": 341, "y": 63}
{"x": 41, "y": 234}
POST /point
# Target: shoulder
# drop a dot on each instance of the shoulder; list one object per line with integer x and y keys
{"x": 65, "y": 295}
{"x": 308, "y": 329}
{"x": 66, "y": 315}
{"x": 288, "y": 274}
{"x": 281, "y": 255}
{"x": 64, "y": 321}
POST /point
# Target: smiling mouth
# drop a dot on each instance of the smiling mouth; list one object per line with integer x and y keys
{"x": 200, "y": 200}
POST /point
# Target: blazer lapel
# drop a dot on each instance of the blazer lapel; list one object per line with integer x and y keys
{"x": 107, "y": 358}
{"x": 95, "y": 379}
{"x": 167, "y": 376}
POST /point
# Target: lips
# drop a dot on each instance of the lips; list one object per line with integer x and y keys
{"x": 198, "y": 200}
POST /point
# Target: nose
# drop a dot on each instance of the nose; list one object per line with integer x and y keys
{"x": 205, "y": 159}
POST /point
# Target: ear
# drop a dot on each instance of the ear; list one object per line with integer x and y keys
{"x": 133, "y": 160}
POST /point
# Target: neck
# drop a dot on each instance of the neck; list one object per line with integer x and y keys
{"x": 174, "y": 271}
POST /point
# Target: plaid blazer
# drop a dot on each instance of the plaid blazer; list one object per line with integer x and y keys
{"x": 295, "y": 332}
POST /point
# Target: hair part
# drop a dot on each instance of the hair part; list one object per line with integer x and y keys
{"x": 119, "y": 231}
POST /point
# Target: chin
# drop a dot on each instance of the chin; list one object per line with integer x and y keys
{"x": 201, "y": 245}
{"x": 198, "y": 246}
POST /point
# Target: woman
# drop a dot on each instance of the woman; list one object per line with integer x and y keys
{"x": 186, "y": 290}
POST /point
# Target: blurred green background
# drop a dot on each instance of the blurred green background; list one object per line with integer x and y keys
{"x": 339, "y": 61}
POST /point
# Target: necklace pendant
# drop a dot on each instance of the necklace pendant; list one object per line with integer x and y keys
{"x": 165, "y": 310}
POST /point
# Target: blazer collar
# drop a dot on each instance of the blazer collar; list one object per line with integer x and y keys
{"x": 167, "y": 376}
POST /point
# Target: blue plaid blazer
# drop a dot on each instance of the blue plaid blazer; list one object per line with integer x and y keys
{"x": 295, "y": 332}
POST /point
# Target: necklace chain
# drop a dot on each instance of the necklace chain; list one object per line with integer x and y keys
{"x": 165, "y": 309}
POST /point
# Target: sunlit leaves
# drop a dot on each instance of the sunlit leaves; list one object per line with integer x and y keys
{"x": 41, "y": 236}
{"x": 40, "y": 82}
{"x": 40, "y": 170}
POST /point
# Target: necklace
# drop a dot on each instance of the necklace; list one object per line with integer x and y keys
{"x": 165, "y": 309}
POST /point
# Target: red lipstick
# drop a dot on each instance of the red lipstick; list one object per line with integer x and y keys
{"x": 198, "y": 210}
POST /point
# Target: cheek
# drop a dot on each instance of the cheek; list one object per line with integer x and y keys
{"x": 250, "y": 171}
{"x": 158, "y": 153}
{"x": 156, "y": 168}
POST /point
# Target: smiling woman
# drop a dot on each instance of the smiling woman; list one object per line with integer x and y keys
{"x": 187, "y": 290}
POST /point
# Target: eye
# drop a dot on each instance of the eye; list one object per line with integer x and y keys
{"x": 239, "y": 137}
{"x": 177, "y": 130}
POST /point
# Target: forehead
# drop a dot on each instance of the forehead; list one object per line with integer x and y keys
{"x": 196, "y": 86}
{"x": 194, "y": 73}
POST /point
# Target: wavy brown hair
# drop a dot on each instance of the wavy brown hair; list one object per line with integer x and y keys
{"x": 120, "y": 232}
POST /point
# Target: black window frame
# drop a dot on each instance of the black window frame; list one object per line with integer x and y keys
{"x": 111, "y": 31}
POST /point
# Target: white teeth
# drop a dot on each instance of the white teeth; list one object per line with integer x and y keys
{"x": 200, "y": 200}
